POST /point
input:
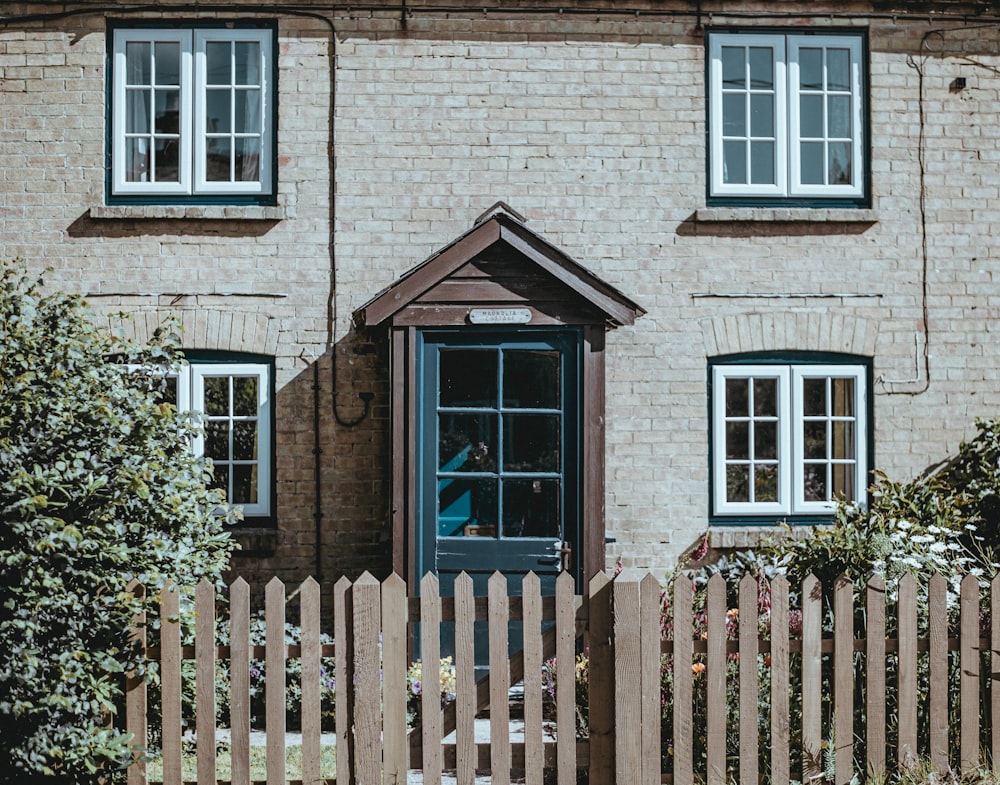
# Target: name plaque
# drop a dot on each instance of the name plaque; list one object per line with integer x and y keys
{"x": 500, "y": 315}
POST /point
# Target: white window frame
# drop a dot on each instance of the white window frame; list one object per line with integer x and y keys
{"x": 791, "y": 496}
{"x": 192, "y": 120}
{"x": 786, "y": 48}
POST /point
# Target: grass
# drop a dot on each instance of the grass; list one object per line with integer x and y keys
{"x": 223, "y": 764}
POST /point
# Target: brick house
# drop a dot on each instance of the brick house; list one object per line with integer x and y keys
{"x": 528, "y": 285}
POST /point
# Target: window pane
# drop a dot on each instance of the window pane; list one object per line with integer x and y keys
{"x": 218, "y": 112}
{"x": 137, "y": 160}
{"x": 843, "y": 481}
{"x": 217, "y": 440}
{"x": 761, "y": 68}
{"x": 838, "y": 69}
{"x": 840, "y": 163}
{"x": 737, "y": 398}
{"x": 467, "y": 502}
{"x": 765, "y": 397}
{"x": 531, "y": 442}
{"x": 138, "y": 70}
{"x": 811, "y": 68}
{"x": 220, "y": 478}
{"x": 765, "y": 484}
{"x": 165, "y": 166}
{"x": 245, "y": 440}
{"x": 812, "y": 164}
{"x": 734, "y": 162}
{"x": 467, "y": 442}
{"x": 814, "y": 440}
{"x": 244, "y": 484}
{"x": 137, "y": 111}
{"x": 737, "y": 440}
{"x": 734, "y": 118}
{"x": 247, "y": 111}
{"x": 531, "y": 508}
{"x": 245, "y": 396}
{"x": 531, "y": 379}
{"x": 468, "y": 377}
{"x": 217, "y": 395}
{"x": 247, "y": 161}
{"x": 765, "y": 440}
{"x": 814, "y": 397}
{"x": 247, "y": 63}
{"x": 761, "y": 115}
{"x": 843, "y": 441}
{"x": 217, "y": 63}
{"x": 218, "y": 160}
{"x": 733, "y": 67}
{"x": 167, "y": 63}
{"x": 814, "y": 482}
{"x": 737, "y": 483}
{"x": 762, "y": 163}
{"x": 811, "y": 116}
{"x": 842, "y": 390}
{"x": 167, "y": 120}
{"x": 839, "y": 118}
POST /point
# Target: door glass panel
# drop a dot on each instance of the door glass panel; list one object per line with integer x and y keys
{"x": 532, "y": 379}
{"x": 467, "y": 507}
{"x": 467, "y": 442}
{"x": 468, "y": 377}
{"x": 531, "y": 508}
{"x": 531, "y": 442}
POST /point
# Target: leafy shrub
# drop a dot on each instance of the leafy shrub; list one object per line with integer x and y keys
{"x": 97, "y": 488}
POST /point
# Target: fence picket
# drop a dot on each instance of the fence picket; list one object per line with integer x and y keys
{"x": 601, "y": 686}
{"x": 170, "y": 684}
{"x": 135, "y": 697}
{"x": 499, "y": 619}
{"x": 780, "y": 732}
{"x": 843, "y": 679}
{"x": 995, "y": 670}
{"x": 343, "y": 612}
{"x": 394, "y": 680}
{"x": 969, "y": 680}
{"x": 683, "y": 660}
{"x": 565, "y": 680}
{"x": 465, "y": 687}
{"x": 907, "y": 671}
{"x": 715, "y": 608}
{"x": 534, "y": 751}
{"x": 274, "y": 681}
{"x": 309, "y": 604}
{"x": 367, "y": 689}
{"x": 430, "y": 696}
{"x": 239, "y": 680}
{"x": 748, "y": 674}
{"x": 812, "y": 679}
{"x": 875, "y": 677}
{"x": 204, "y": 655}
{"x": 628, "y": 684}
{"x": 937, "y": 622}
{"x": 649, "y": 626}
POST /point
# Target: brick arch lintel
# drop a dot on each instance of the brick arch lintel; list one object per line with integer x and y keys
{"x": 789, "y": 331}
{"x": 205, "y": 329}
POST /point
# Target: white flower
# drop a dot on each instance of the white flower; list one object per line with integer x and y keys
{"x": 970, "y": 526}
{"x": 903, "y": 524}
{"x": 938, "y": 547}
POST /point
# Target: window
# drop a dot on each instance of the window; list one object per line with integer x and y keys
{"x": 786, "y": 116}
{"x": 788, "y": 439}
{"x": 235, "y": 401}
{"x": 192, "y": 113}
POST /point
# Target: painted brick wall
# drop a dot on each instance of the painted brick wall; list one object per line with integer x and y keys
{"x": 593, "y": 127}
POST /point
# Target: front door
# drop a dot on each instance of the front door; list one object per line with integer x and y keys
{"x": 498, "y": 470}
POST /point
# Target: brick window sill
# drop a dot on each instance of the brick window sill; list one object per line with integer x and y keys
{"x": 842, "y": 215}
{"x": 744, "y": 537}
{"x": 210, "y": 212}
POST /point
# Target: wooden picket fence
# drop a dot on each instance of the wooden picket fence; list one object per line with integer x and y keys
{"x": 838, "y": 677}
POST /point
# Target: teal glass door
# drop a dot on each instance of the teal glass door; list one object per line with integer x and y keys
{"x": 498, "y": 475}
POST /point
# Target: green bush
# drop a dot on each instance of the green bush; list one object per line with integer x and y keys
{"x": 98, "y": 488}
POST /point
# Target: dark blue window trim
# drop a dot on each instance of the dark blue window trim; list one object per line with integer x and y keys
{"x": 783, "y": 358}
{"x": 265, "y": 200}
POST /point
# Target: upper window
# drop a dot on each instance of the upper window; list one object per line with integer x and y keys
{"x": 234, "y": 399}
{"x": 192, "y": 113}
{"x": 788, "y": 439}
{"x": 786, "y": 116}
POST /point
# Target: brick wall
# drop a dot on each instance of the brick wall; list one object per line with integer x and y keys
{"x": 593, "y": 127}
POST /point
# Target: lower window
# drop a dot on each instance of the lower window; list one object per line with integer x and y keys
{"x": 788, "y": 439}
{"x": 234, "y": 399}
